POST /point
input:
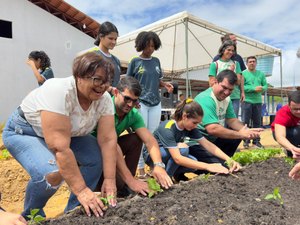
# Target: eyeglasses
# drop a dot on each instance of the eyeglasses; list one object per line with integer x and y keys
{"x": 127, "y": 99}
{"x": 98, "y": 81}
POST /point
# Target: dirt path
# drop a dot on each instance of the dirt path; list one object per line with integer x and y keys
{"x": 13, "y": 180}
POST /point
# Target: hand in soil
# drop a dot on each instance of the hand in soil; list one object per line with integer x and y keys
{"x": 217, "y": 168}
{"x": 295, "y": 172}
{"x": 90, "y": 201}
{"x": 139, "y": 186}
{"x": 162, "y": 177}
{"x": 234, "y": 167}
{"x": 109, "y": 190}
{"x": 11, "y": 219}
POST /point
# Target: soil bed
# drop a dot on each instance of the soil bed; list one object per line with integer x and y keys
{"x": 218, "y": 200}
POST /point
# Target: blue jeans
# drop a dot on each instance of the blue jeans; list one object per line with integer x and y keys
{"x": 151, "y": 116}
{"x": 236, "y": 106}
{"x": 171, "y": 167}
{"x": 252, "y": 112}
{"x": 32, "y": 153}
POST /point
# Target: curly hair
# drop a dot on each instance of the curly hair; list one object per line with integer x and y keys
{"x": 45, "y": 60}
{"x": 144, "y": 38}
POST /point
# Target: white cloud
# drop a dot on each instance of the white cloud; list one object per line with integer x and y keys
{"x": 273, "y": 22}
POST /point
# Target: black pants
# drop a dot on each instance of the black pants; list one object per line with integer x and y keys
{"x": 228, "y": 146}
{"x": 293, "y": 135}
{"x": 131, "y": 146}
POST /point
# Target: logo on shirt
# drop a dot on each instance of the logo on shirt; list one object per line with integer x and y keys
{"x": 157, "y": 69}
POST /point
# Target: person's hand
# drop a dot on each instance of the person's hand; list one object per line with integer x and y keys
{"x": 294, "y": 173}
{"x": 250, "y": 133}
{"x": 7, "y": 218}
{"x": 109, "y": 190}
{"x": 217, "y": 168}
{"x": 31, "y": 63}
{"x": 296, "y": 152}
{"x": 242, "y": 97}
{"x": 234, "y": 167}
{"x": 169, "y": 87}
{"x": 90, "y": 201}
{"x": 258, "y": 89}
{"x": 139, "y": 187}
{"x": 162, "y": 177}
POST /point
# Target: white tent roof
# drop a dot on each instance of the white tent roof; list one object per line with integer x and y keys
{"x": 202, "y": 45}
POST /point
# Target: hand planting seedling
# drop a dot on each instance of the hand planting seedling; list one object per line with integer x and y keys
{"x": 229, "y": 162}
{"x": 275, "y": 195}
{"x": 154, "y": 187}
{"x": 34, "y": 218}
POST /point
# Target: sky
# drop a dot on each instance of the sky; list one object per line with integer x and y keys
{"x": 274, "y": 22}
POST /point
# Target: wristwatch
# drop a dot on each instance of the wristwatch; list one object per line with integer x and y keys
{"x": 160, "y": 164}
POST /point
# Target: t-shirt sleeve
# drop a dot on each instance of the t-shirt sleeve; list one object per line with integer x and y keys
{"x": 106, "y": 107}
{"x": 195, "y": 135}
{"x": 130, "y": 68}
{"x": 138, "y": 121}
{"x": 238, "y": 68}
{"x": 47, "y": 73}
{"x": 280, "y": 117}
{"x": 213, "y": 69}
{"x": 167, "y": 138}
{"x": 209, "y": 108}
{"x": 230, "y": 111}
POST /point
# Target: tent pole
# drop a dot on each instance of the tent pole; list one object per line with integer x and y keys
{"x": 281, "y": 94}
{"x": 186, "y": 58}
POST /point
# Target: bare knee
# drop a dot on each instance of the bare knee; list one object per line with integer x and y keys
{"x": 54, "y": 179}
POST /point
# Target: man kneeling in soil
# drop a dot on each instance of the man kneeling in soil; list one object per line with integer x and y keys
{"x": 286, "y": 125}
{"x": 218, "y": 111}
{"x": 125, "y": 98}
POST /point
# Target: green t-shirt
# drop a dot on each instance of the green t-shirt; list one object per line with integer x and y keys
{"x": 216, "y": 67}
{"x": 133, "y": 120}
{"x": 215, "y": 111}
{"x": 252, "y": 80}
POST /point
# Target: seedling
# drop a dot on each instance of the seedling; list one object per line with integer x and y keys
{"x": 204, "y": 177}
{"x": 34, "y": 218}
{"x": 154, "y": 187}
{"x": 275, "y": 195}
{"x": 290, "y": 161}
{"x": 229, "y": 162}
{"x": 105, "y": 200}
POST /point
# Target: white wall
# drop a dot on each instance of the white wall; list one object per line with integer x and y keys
{"x": 33, "y": 29}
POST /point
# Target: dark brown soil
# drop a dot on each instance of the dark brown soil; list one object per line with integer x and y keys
{"x": 218, "y": 200}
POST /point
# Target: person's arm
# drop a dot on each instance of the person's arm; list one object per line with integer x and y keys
{"x": 57, "y": 133}
{"x": 194, "y": 164}
{"x": 242, "y": 87}
{"x": 107, "y": 139}
{"x": 280, "y": 134}
{"x": 123, "y": 171}
{"x": 213, "y": 149}
{"x": 35, "y": 71}
{"x": 166, "y": 85}
{"x": 152, "y": 146}
{"x": 7, "y": 218}
{"x": 240, "y": 131}
{"x": 212, "y": 74}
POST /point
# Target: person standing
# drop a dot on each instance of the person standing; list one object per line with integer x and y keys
{"x": 255, "y": 84}
{"x": 147, "y": 70}
{"x": 40, "y": 65}
{"x": 226, "y": 51}
{"x": 106, "y": 40}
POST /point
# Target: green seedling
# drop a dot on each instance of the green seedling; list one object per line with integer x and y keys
{"x": 204, "y": 177}
{"x": 34, "y": 218}
{"x": 248, "y": 157}
{"x": 275, "y": 196}
{"x": 154, "y": 187}
{"x": 5, "y": 154}
{"x": 229, "y": 162}
{"x": 290, "y": 161}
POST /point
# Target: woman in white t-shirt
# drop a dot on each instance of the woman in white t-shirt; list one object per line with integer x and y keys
{"x": 49, "y": 134}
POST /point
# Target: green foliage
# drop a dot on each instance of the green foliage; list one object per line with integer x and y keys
{"x": 105, "y": 200}
{"x": 229, "y": 163}
{"x": 154, "y": 187}
{"x": 290, "y": 161}
{"x": 5, "y": 154}
{"x": 204, "y": 177}
{"x": 257, "y": 155}
{"x": 275, "y": 196}
{"x": 34, "y": 218}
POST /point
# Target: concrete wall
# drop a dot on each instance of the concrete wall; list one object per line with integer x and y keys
{"x": 33, "y": 29}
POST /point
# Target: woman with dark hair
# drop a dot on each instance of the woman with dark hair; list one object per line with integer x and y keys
{"x": 40, "y": 65}
{"x": 226, "y": 51}
{"x": 147, "y": 70}
{"x": 106, "y": 40}
{"x": 170, "y": 136}
{"x": 49, "y": 135}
